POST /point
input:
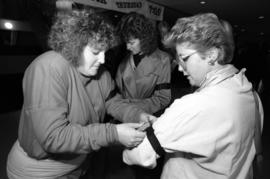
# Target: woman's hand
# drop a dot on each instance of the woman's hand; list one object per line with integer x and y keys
{"x": 128, "y": 135}
{"x": 144, "y": 117}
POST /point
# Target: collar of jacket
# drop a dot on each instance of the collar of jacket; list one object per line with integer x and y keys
{"x": 218, "y": 75}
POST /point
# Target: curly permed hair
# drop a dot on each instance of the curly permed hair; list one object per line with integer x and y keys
{"x": 72, "y": 30}
{"x": 134, "y": 25}
{"x": 203, "y": 31}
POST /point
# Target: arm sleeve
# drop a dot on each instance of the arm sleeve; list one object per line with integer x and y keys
{"x": 118, "y": 107}
{"x": 47, "y": 111}
{"x": 143, "y": 155}
{"x": 161, "y": 97}
{"x": 179, "y": 129}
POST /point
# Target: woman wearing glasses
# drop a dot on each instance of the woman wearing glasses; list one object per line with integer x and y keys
{"x": 210, "y": 133}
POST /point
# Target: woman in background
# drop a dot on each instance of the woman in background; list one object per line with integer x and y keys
{"x": 144, "y": 75}
{"x": 143, "y": 78}
{"x": 66, "y": 96}
{"x": 209, "y": 133}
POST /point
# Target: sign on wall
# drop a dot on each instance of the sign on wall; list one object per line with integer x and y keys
{"x": 149, "y": 9}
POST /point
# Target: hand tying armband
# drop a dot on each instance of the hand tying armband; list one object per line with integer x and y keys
{"x": 144, "y": 126}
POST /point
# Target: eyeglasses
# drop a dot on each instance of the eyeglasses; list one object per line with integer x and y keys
{"x": 181, "y": 60}
{"x": 185, "y": 59}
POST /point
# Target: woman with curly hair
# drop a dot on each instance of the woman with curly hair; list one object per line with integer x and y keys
{"x": 143, "y": 77}
{"x": 66, "y": 95}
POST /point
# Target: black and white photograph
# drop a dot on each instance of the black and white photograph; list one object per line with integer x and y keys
{"x": 134, "y": 89}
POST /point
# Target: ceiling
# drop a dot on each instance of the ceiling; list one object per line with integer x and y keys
{"x": 242, "y": 14}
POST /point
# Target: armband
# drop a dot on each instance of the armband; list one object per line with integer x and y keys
{"x": 163, "y": 86}
{"x": 154, "y": 141}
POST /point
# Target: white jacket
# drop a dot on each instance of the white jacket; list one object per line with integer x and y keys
{"x": 207, "y": 134}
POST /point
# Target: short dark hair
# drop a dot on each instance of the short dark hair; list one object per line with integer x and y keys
{"x": 134, "y": 25}
{"x": 72, "y": 30}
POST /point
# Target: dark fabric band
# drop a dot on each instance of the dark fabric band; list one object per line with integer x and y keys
{"x": 112, "y": 94}
{"x": 154, "y": 141}
{"x": 163, "y": 86}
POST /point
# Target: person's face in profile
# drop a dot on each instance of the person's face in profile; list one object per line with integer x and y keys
{"x": 134, "y": 45}
{"x": 92, "y": 58}
{"x": 190, "y": 62}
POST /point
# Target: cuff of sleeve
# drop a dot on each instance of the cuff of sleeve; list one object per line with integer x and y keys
{"x": 112, "y": 135}
{"x": 137, "y": 116}
{"x": 141, "y": 156}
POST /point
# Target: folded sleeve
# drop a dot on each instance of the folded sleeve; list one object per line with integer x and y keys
{"x": 143, "y": 155}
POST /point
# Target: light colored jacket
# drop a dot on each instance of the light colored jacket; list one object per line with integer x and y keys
{"x": 207, "y": 134}
{"x": 148, "y": 84}
{"x": 62, "y": 109}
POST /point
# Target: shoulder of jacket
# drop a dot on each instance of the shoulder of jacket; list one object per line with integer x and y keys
{"x": 51, "y": 58}
{"x": 51, "y": 61}
{"x": 164, "y": 57}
